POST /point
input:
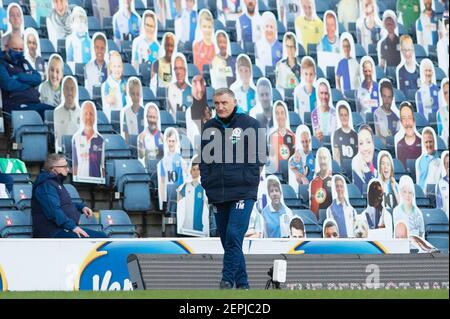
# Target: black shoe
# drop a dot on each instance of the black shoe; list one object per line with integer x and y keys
{"x": 226, "y": 285}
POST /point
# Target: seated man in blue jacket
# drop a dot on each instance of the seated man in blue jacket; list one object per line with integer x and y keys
{"x": 54, "y": 214}
{"x": 19, "y": 81}
{"x": 233, "y": 153}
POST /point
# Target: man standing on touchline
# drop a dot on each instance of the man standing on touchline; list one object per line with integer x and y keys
{"x": 231, "y": 160}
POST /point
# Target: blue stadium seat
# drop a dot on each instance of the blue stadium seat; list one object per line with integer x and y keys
{"x": 378, "y": 142}
{"x": 97, "y": 93}
{"x": 117, "y": 223}
{"x": 441, "y": 144}
{"x": 206, "y": 74}
{"x": 192, "y": 70}
{"x": 303, "y": 195}
{"x": 281, "y": 30}
{"x": 108, "y": 27}
{"x": 257, "y": 73}
{"x": 128, "y": 71}
{"x": 31, "y": 135}
{"x": 336, "y": 168}
{"x": 373, "y": 54}
{"x": 336, "y": 95}
{"x": 350, "y": 96}
{"x": 440, "y": 75}
{"x": 132, "y": 144}
{"x": 145, "y": 72}
{"x": 432, "y": 121}
{"x": 29, "y": 22}
{"x": 411, "y": 168}
{"x": 322, "y": 216}
{"x": 357, "y": 120}
{"x": 331, "y": 77}
{"x": 132, "y": 181}
{"x": 380, "y": 73}
{"x": 15, "y": 224}
{"x": 186, "y": 48}
{"x": 115, "y": 122}
{"x": 236, "y": 48}
{"x": 218, "y": 25}
{"x": 431, "y": 194}
{"x": 421, "y": 121}
{"x": 209, "y": 93}
{"x": 270, "y": 74}
{"x": 49, "y": 121}
{"x": 356, "y": 199}
{"x": 112, "y": 46}
{"x": 352, "y": 27}
{"x": 126, "y": 48}
{"x": 312, "y": 226}
{"x": 161, "y": 97}
{"x": 320, "y": 73}
{"x": 440, "y": 242}
{"x": 103, "y": 124}
{"x": 22, "y": 196}
{"x": 422, "y": 201}
{"x": 284, "y": 170}
{"x": 79, "y": 74}
{"x": 346, "y": 167}
{"x": 93, "y": 25}
{"x": 67, "y": 69}
{"x": 66, "y": 143}
{"x": 230, "y": 25}
{"x": 166, "y": 120}
{"x": 316, "y": 144}
{"x": 391, "y": 74}
{"x": 399, "y": 169}
{"x": 249, "y": 49}
{"x": 147, "y": 95}
{"x": 181, "y": 119}
{"x": 91, "y": 223}
{"x": 172, "y": 199}
{"x": 290, "y": 197}
{"x": 152, "y": 166}
{"x": 300, "y": 49}
{"x": 289, "y": 99}
{"x": 436, "y": 222}
{"x": 187, "y": 151}
{"x": 370, "y": 121}
{"x": 47, "y": 48}
{"x": 359, "y": 51}
{"x": 420, "y": 52}
{"x": 294, "y": 120}
{"x": 312, "y": 51}
{"x": 115, "y": 148}
{"x": 83, "y": 94}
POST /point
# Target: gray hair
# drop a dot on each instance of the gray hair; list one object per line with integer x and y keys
{"x": 223, "y": 91}
{"x": 51, "y": 160}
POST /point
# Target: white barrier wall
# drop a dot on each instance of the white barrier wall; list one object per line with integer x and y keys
{"x": 83, "y": 264}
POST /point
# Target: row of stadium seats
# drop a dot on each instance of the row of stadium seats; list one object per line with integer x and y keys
{"x": 114, "y": 223}
{"x": 117, "y": 224}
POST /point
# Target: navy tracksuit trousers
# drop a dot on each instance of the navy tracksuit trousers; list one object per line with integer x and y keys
{"x": 232, "y": 221}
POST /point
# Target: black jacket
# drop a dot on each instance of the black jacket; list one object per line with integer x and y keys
{"x": 238, "y": 177}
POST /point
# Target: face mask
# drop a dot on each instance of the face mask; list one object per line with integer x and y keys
{"x": 15, "y": 55}
{"x": 61, "y": 177}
